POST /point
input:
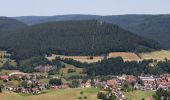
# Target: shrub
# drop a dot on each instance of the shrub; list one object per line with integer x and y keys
{"x": 85, "y": 97}
{"x": 55, "y": 81}
{"x": 79, "y": 97}
{"x": 101, "y": 95}
{"x": 81, "y": 92}
{"x": 71, "y": 70}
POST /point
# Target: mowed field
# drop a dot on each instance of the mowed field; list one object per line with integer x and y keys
{"x": 127, "y": 56}
{"x": 159, "y": 55}
{"x": 82, "y": 59}
{"x": 66, "y": 94}
{"x": 64, "y": 71}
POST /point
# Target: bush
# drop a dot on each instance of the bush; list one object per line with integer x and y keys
{"x": 71, "y": 70}
{"x": 81, "y": 92}
{"x": 0, "y": 90}
{"x": 85, "y": 97}
{"x": 55, "y": 81}
{"x": 74, "y": 84}
{"x": 101, "y": 95}
{"x": 79, "y": 97}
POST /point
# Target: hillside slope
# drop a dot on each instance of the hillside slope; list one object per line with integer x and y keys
{"x": 88, "y": 37}
{"x": 156, "y": 27}
{"x": 9, "y": 23}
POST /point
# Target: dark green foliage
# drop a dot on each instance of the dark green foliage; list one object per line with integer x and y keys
{"x": 85, "y": 97}
{"x": 72, "y": 38}
{"x": 55, "y": 81}
{"x": 57, "y": 64}
{"x": 162, "y": 95}
{"x": 28, "y": 65}
{"x": 71, "y": 70}
{"x": 0, "y": 89}
{"x": 74, "y": 84}
{"x": 116, "y": 66}
{"x": 53, "y": 72}
{"x": 81, "y": 92}
{"x": 8, "y": 66}
{"x": 156, "y": 27}
{"x": 127, "y": 87}
{"x": 24, "y": 84}
{"x": 101, "y": 95}
{"x": 9, "y": 23}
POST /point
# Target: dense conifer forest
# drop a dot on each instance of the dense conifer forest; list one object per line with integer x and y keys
{"x": 88, "y": 37}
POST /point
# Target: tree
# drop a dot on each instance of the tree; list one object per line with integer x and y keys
{"x": 101, "y": 95}
{"x": 160, "y": 93}
{"x": 0, "y": 89}
{"x": 81, "y": 92}
{"x": 24, "y": 84}
{"x": 74, "y": 84}
{"x": 55, "y": 81}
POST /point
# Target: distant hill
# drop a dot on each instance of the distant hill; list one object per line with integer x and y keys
{"x": 9, "y": 23}
{"x": 156, "y": 27}
{"x": 32, "y": 20}
{"x": 88, "y": 37}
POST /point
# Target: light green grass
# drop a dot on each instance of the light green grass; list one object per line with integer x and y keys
{"x": 68, "y": 66}
{"x": 138, "y": 95}
{"x": 66, "y": 94}
{"x": 44, "y": 80}
{"x": 7, "y": 72}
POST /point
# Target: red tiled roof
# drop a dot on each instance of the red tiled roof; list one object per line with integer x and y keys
{"x": 4, "y": 77}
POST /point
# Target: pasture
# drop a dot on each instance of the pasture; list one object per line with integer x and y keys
{"x": 139, "y": 95}
{"x": 127, "y": 56}
{"x": 83, "y": 59}
{"x": 159, "y": 55}
{"x": 66, "y": 94}
{"x": 64, "y": 71}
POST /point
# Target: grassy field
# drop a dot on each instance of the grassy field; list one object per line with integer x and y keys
{"x": 82, "y": 59}
{"x": 159, "y": 55}
{"x": 7, "y": 72}
{"x": 68, "y": 66}
{"x": 138, "y": 95}
{"x": 127, "y": 56}
{"x": 67, "y": 94}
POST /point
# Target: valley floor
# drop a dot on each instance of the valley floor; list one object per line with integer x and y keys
{"x": 66, "y": 94}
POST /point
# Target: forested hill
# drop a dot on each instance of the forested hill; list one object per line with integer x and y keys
{"x": 88, "y": 37}
{"x": 9, "y": 23}
{"x": 156, "y": 27}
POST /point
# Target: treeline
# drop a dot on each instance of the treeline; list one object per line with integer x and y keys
{"x": 88, "y": 37}
{"x": 10, "y": 23}
{"x": 29, "y": 65}
{"x": 116, "y": 66}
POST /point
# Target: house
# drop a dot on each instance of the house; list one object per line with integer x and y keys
{"x": 44, "y": 68}
{"x": 35, "y": 90}
{"x": 164, "y": 85}
{"x": 4, "y": 77}
{"x": 113, "y": 83}
{"x": 86, "y": 84}
{"x": 131, "y": 78}
{"x": 147, "y": 78}
{"x": 123, "y": 77}
{"x": 64, "y": 86}
{"x": 17, "y": 74}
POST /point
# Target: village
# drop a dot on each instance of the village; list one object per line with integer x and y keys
{"x": 30, "y": 83}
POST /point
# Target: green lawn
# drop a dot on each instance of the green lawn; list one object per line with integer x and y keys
{"x": 138, "y": 95}
{"x": 66, "y": 94}
{"x": 68, "y": 66}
